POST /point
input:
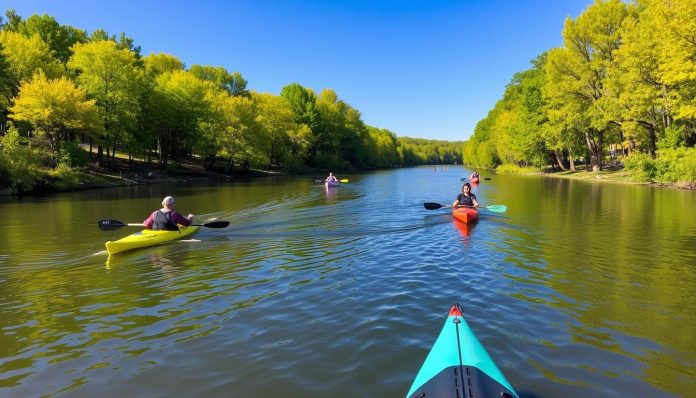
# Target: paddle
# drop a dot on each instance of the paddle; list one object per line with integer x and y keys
{"x": 344, "y": 181}
{"x": 112, "y": 225}
{"x": 493, "y": 208}
{"x": 466, "y": 178}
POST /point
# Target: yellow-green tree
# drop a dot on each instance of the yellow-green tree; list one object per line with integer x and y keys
{"x": 25, "y": 56}
{"x": 179, "y": 106}
{"x": 57, "y": 109}
{"x": 275, "y": 119}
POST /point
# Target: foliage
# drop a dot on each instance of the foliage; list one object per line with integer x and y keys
{"x": 64, "y": 177}
{"x": 671, "y": 165}
{"x": 233, "y": 83}
{"x": 59, "y": 38}
{"x": 71, "y": 154}
{"x": 641, "y": 167}
{"x": 515, "y": 169}
{"x": 625, "y": 76}
{"x": 27, "y": 55}
{"x": 56, "y": 109}
{"x": 20, "y": 163}
{"x": 112, "y": 77}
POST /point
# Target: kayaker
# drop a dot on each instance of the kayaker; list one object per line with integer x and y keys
{"x": 331, "y": 178}
{"x": 466, "y": 198}
{"x": 475, "y": 175}
{"x": 167, "y": 218}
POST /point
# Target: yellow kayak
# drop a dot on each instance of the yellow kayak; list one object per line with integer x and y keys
{"x": 148, "y": 237}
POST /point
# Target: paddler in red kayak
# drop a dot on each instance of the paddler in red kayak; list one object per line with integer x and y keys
{"x": 166, "y": 218}
{"x": 466, "y": 198}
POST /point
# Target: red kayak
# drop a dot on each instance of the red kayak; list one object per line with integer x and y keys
{"x": 465, "y": 214}
{"x": 474, "y": 179}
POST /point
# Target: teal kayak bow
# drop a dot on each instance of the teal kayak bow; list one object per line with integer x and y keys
{"x": 459, "y": 366}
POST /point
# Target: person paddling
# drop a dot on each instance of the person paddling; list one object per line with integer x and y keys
{"x": 166, "y": 218}
{"x": 466, "y": 198}
{"x": 331, "y": 178}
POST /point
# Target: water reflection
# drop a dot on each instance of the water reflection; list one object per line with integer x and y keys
{"x": 331, "y": 193}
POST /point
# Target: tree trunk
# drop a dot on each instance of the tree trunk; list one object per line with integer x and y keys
{"x": 559, "y": 160}
{"x": 595, "y": 152}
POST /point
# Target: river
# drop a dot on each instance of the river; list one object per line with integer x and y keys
{"x": 580, "y": 289}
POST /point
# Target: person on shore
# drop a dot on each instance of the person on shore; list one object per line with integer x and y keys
{"x": 331, "y": 178}
{"x": 466, "y": 198}
{"x": 167, "y": 218}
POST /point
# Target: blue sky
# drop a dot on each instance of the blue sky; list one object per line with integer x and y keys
{"x": 429, "y": 69}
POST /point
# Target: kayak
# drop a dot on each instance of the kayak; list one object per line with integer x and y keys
{"x": 148, "y": 237}
{"x": 332, "y": 184}
{"x": 474, "y": 179}
{"x": 456, "y": 362}
{"x": 465, "y": 214}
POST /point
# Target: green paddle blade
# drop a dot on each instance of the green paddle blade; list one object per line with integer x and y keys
{"x": 497, "y": 208}
{"x": 345, "y": 180}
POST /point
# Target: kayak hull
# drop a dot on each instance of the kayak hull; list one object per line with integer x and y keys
{"x": 466, "y": 215}
{"x": 474, "y": 179}
{"x": 148, "y": 237}
{"x": 330, "y": 184}
{"x": 459, "y": 366}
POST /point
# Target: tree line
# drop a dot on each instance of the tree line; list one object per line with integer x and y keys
{"x": 63, "y": 90}
{"x": 622, "y": 87}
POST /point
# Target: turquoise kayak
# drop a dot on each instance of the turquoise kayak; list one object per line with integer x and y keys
{"x": 459, "y": 367}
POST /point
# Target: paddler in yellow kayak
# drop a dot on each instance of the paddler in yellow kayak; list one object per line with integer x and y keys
{"x": 167, "y": 218}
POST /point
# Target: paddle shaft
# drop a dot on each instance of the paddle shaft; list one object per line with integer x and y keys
{"x": 110, "y": 225}
{"x": 493, "y": 208}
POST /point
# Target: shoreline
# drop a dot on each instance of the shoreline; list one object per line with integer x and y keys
{"x": 95, "y": 178}
{"x": 613, "y": 176}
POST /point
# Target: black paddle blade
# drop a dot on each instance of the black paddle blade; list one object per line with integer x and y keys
{"x": 216, "y": 224}
{"x": 432, "y": 206}
{"x": 110, "y": 225}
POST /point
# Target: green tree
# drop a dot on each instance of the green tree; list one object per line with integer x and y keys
{"x": 157, "y": 64}
{"x": 179, "y": 105}
{"x": 112, "y": 77}
{"x": 303, "y": 102}
{"x": 275, "y": 119}
{"x": 576, "y": 72}
{"x": 123, "y": 42}
{"x": 60, "y": 38}
{"x": 233, "y": 83}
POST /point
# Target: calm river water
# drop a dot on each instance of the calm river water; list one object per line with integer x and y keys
{"x": 579, "y": 290}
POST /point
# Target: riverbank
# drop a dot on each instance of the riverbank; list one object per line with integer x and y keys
{"x": 619, "y": 176}
{"x": 121, "y": 172}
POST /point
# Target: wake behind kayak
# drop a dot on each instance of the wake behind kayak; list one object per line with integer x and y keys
{"x": 459, "y": 367}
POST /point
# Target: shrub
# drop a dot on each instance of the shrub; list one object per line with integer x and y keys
{"x": 640, "y": 167}
{"x": 20, "y": 161}
{"x": 65, "y": 177}
{"x": 509, "y": 168}
{"x": 72, "y": 154}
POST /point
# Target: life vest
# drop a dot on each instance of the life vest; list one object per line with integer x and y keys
{"x": 163, "y": 221}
